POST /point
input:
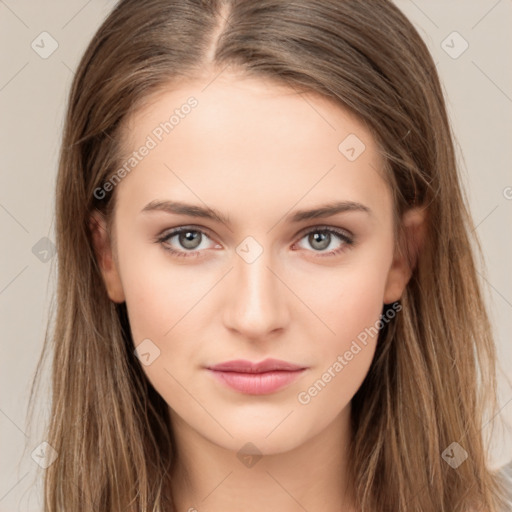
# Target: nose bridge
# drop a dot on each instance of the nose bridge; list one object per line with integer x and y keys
{"x": 256, "y": 305}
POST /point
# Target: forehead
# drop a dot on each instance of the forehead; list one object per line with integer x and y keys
{"x": 234, "y": 138}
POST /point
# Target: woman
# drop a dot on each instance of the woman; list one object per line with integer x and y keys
{"x": 267, "y": 294}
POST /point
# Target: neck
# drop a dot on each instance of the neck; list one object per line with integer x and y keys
{"x": 313, "y": 476}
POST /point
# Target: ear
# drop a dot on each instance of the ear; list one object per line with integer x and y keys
{"x": 106, "y": 261}
{"x": 404, "y": 259}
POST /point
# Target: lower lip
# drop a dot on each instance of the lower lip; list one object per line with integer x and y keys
{"x": 257, "y": 383}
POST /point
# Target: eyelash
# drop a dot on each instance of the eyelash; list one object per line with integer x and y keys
{"x": 344, "y": 236}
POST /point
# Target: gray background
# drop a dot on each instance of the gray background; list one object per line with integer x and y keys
{"x": 33, "y": 91}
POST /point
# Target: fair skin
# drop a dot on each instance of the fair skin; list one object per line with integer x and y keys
{"x": 257, "y": 153}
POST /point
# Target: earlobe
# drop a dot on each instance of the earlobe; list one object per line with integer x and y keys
{"x": 404, "y": 261}
{"x": 104, "y": 257}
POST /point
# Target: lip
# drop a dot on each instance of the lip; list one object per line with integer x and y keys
{"x": 243, "y": 366}
{"x": 261, "y": 378}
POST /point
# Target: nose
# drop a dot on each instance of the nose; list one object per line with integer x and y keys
{"x": 255, "y": 307}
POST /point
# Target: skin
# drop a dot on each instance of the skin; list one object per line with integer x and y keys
{"x": 256, "y": 152}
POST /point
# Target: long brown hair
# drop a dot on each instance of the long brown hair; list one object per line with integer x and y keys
{"x": 433, "y": 374}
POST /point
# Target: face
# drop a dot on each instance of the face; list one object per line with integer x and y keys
{"x": 261, "y": 278}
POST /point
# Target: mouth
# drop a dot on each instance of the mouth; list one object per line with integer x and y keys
{"x": 261, "y": 378}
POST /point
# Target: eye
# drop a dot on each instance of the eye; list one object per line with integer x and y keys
{"x": 188, "y": 240}
{"x": 322, "y": 238}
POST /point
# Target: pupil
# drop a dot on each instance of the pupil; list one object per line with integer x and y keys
{"x": 322, "y": 238}
{"x": 188, "y": 239}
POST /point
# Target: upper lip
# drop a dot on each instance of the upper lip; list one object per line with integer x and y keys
{"x": 243, "y": 366}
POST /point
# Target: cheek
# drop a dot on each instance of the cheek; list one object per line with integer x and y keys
{"x": 349, "y": 302}
{"x": 344, "y": 356}
{"x": 348, "y": 299}
{"x": 164, "y": 306}
{"x": 160, "y": 293}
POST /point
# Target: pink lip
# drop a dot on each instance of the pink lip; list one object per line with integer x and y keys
{"x": 243, "y": 366}
{"x": 257, "y": 378}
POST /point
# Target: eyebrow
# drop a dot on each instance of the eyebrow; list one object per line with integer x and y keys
{"x": 191, "y": 210}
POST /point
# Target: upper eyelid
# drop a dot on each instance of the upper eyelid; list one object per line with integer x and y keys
{"x": 320, "y": 227}
{"x": 169, "y": 233}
